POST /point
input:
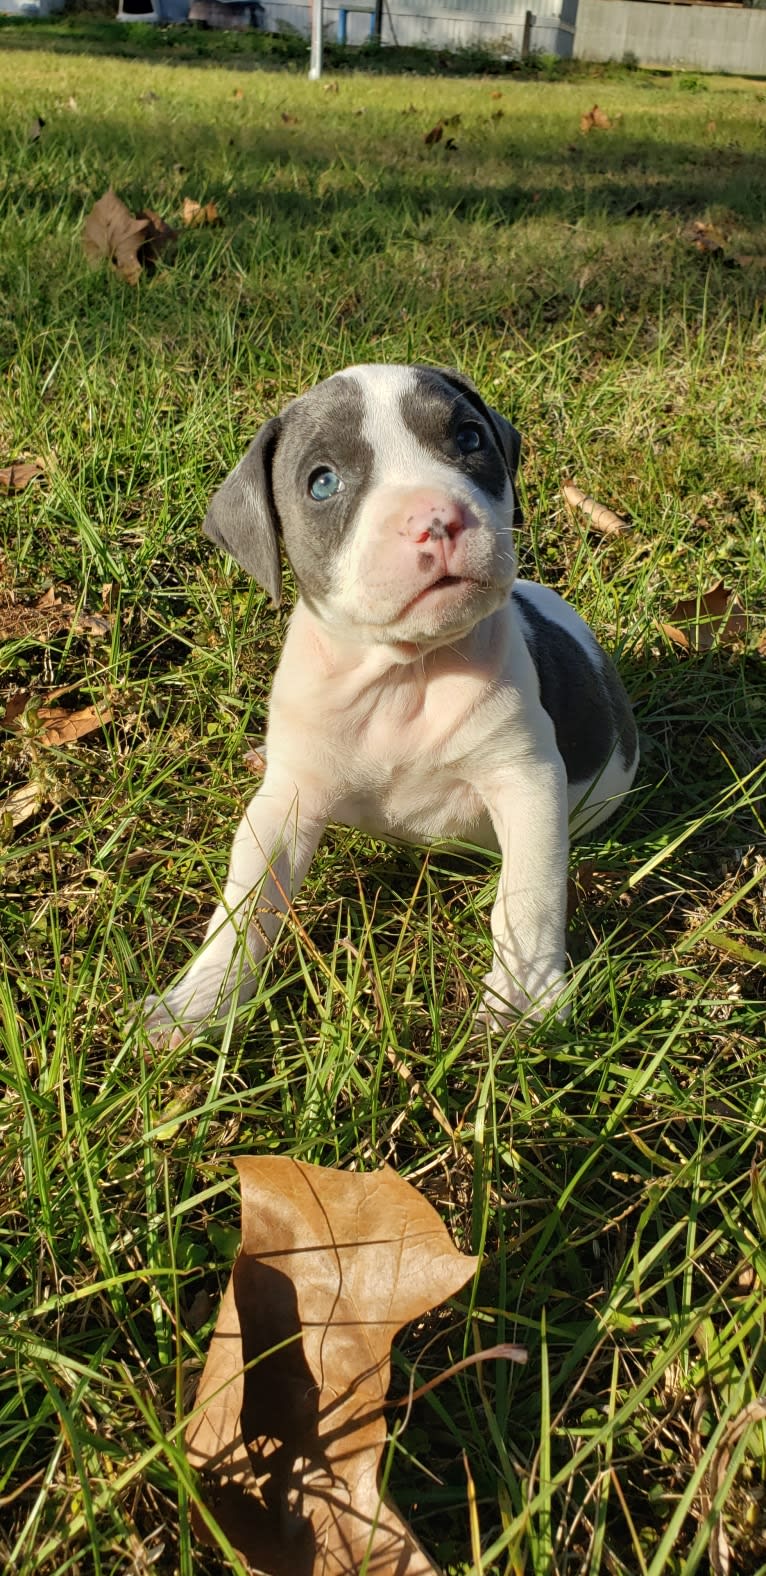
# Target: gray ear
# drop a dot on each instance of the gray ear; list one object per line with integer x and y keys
{"x": 242, "y": 517}
{"x": 508, "y": 437}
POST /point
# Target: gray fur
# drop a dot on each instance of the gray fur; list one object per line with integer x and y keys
{"x": 576, "y": 689}
{"x": 242, "y": 517}
{"x": 323, "y": 429}
{"x": 267, "y": 495}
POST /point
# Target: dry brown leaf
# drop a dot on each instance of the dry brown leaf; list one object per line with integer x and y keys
{"x": 595, "y": 118}
{"x": 110, "y": 231}
{"x": 18, "y": 475}
{"x": 52, "y": 725}
{"x": 601, "y": 518}
{"x": 332, "y": 1264}
{"x": 255, "y": 760}
{"x": 196, "y": 214}
{"x": 18, "y": 807}
{"x": 697, "y": 623}
{"x": 157, "y": 237}
{"x": 434, "y": 135}
{"x": 706, "y": 237}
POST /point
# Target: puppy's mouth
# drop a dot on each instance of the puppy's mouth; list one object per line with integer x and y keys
{"x": 445, "y": 583}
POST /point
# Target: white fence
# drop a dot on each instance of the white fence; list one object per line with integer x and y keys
{"x": 699, "y": 37}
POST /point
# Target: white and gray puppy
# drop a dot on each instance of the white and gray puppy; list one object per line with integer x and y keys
{"x": 423, "y": 692}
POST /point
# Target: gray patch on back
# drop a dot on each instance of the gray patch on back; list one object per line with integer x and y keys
{"x": 583, "y": 696}
{"x": 324, "y": 428}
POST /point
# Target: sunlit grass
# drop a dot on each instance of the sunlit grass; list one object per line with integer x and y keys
{"x": 605, "y": 1170}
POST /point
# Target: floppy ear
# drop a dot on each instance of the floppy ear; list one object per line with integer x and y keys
{"x": 508, "y": 437}
{"x": 242, "y": 517}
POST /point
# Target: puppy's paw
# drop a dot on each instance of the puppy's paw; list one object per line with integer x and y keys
{"x": 167, "y": 1021}
{"x": 506, "y": 1001}
{"x": 200, "y": 1001}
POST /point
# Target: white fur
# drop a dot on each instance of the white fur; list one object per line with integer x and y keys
{"x": 424, "y": 726}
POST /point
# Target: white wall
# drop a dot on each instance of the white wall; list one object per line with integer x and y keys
{"x": 701, "y": 37}
{"x": 441, "y": 24}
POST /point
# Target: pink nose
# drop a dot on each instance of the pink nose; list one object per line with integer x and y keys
{"x": 434, "y": 520}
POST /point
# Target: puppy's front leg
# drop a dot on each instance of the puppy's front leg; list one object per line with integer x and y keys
{"x": 528, "y": 806}
{"x": 272, "y": 850}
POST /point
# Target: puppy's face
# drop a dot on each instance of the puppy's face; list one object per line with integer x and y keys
{"x": 392, "y": 489}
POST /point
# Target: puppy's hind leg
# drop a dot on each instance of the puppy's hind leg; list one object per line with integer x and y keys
{"x": 272, "y": 850}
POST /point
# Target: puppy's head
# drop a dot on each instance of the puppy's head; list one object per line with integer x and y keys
{"x": 392, "y": 489}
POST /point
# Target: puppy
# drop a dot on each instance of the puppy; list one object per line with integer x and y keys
{"x": 423, "y": 692}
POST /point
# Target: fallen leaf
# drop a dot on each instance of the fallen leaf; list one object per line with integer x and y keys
{"x": 290, "y": 1422}
{"x": 602, "y": 519}
{"x": 19, "y": 806}
{"x": 706, "y": 237}
{"x": 289, "y": 120}
{"x": 255, "y": 760}
{"x": 697, "y": 623}
{"x": 434, "y": 135}
{"x": 16, "y": 476}
{"x": 595, "y": 118}
{"x": 52, "y": 725}
{"x": 195, "y": 214}
{"x": 111, "y": 231}
{"x": 35, "y": 127}
{"x": 157, "y": 236}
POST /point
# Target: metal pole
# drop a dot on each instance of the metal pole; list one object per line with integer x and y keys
{"x": 317, "y": 20}
{"x": 378, "y": 21}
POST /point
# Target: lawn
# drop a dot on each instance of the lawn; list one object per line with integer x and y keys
{"x": 610, "y": 1172}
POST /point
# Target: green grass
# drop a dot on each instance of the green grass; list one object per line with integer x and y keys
{"x": 609, "y": 1171}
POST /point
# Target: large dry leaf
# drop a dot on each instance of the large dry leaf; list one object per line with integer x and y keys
{"x": 697, "y": 623}
{"x": 17, "y": 476}
{"x": 332, "y": 1264}
{"x": 111, "y": 232}
{"x": 52, "y": 725}
{"x": 601, "y": 518}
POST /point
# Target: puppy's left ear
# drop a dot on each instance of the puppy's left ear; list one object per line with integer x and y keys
{"x": 508, "y": 437}
{"x": 242, "y": 517}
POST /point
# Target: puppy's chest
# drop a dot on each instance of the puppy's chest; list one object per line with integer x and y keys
{"x": 412, "y": 755}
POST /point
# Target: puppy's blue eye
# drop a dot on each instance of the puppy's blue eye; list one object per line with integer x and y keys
{"x": 469, "y": 437}
{"x": 324, "y": 484}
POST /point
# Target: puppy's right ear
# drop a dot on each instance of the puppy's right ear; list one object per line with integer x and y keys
{"x": 242, "y": 517}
